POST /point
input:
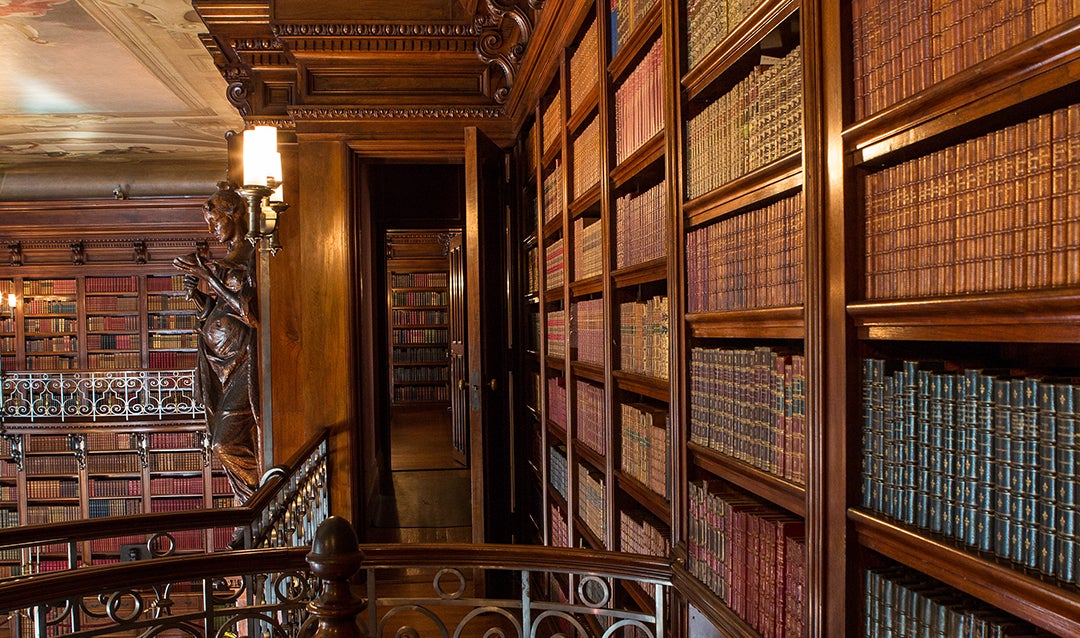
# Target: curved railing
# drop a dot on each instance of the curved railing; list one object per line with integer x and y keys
{"x": 494, "y": 590}
{"x": 285, "y": 511}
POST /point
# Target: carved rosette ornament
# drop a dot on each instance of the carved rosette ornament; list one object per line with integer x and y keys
{"x": 505, "y": 33}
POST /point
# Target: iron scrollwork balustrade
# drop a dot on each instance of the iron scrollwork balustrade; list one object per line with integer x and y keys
{"x": 113, "y": 394}
{"x": 545, "y": 593}
{"x": 292, "y": 516}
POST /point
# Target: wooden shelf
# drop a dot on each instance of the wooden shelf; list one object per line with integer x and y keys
{"x": 1053, "y": 608}
{"x": 744, "y": 37}
{"x": 590, "y": 456}
{"x": 589, "y": 286}
{"x": 643, "y": 163}
{"x": 1049, "y": 316}
{"x": 584, "y": 532}
{"x": 649, "y": 272}
{"x": 705, "y": 600}
{"x": 761, "y": 186}
{"x": 584, "y": 111}
{"x": 634, "y": 46}
{"x": 760, "y": 483}
{"x": 768, "y": 323}
{"x": 590, "y": 371}
{"x": 1046, "y": 62}
{"x": 659, "y": 389}
{"x": 644, "y": 496}
{"x": 587, "y": 204}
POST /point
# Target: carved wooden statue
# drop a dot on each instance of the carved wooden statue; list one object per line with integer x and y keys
{"x": 227, "y": 375}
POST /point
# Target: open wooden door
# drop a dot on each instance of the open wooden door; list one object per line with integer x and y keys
{"x": 486, "y": 285}
{"x": 459, "y": 389}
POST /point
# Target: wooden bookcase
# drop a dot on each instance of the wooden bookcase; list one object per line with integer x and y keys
{"x": 840, "y": 190}
{"x": 418, "y": 286}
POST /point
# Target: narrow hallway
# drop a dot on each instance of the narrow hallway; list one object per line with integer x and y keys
{"x": 426, "y": 498}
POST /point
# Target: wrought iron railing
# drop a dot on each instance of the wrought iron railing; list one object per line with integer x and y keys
{"x": 291, "y": 502}
{"x": 91, "y": 396}
{"x": 537, "y": 591}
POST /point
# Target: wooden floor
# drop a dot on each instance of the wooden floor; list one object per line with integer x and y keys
{"x": 426, "y": 497}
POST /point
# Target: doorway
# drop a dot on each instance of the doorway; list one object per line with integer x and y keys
{"x": 424, "y": 493}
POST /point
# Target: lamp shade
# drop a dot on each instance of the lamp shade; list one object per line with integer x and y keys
{"x": 262, "y": 162}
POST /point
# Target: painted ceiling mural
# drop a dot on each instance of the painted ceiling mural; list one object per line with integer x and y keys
{"x": 112, "y": 80}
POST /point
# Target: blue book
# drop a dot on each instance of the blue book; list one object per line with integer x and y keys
{"x": 1065, "y": 507}
{"x": 1046, "y": 437}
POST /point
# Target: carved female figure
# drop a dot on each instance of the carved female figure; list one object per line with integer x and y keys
{"x": 227, "y": 375}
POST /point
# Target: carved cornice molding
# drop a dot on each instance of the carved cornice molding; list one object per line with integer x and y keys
{"x": 394, "y": 113}
{"x": 505, "y": 34}
{"x": 323, "y": 30}
{"x": 239, "y": 88}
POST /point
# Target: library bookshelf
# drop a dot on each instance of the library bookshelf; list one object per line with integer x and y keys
{"x": 418, "y": 285}
{"x": 798, "y": 296}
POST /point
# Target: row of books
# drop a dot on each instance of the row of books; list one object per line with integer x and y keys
{"x": 587, "y": 331}
{"x": 589, "y": 421}
{"x": 644, "y": 343}
{"x": 641, "y": 532}
{"x": 176, "y": 461}
{"x": 8, "y": 493}
{"x": 983, "y": 456}
{"x": 119, "y": 322}
{"x": 641, "y": 227}
{"x": 558, "y": 470}
{"x": 55, "y": 324}
{"x": 709, "y": 21}
{"x": 993, "y": 213}
{"x": 560, "y": 532}
{"x": 419, "y": 280}
{"x": 751, "y": 555}
{"x": 171, "y": 283}
{"x": 556, "y": 333}
{"x": 113, "y": 341}
{"x": 51, "y": 362}
{"x": 418, "y": 317}
{"x": 66, "y": 464}
{"x": 112, "y": 304}
{"x": 419, "y": 298}
{"x": 159, "y": 304}
{"x": 422, "y": 373}
{"x": 66, "y": 344}
{"x": 551, "y": 121}
{"x": 165, "y": 360}
{"x": 556, "y": 400}
{"x": 181, "y": 504}
{"x": 174, "y": 440}
{"x": 45, "y": 287}
{"x": 49, "y": 307}
{"x": 902, "y": 602}
{"x": 401, "y": 336}
{"x": 114, "y": 360}
{"x": 751, "y": 405}
{"x": 757, "y": 122}
{"x": 552, "y": 192}
{"x": 752, "y": 260}
{"x": 52, "y": 488}
{"x": 102, "y": 507}
{"x": 419, "y": 355}
{"x": 588, "y": 248}
{"x": 584, "y": 66}
{"x": 41, "y": 514}
{"x": 421, "y": 393}
{"x": 532, "y": 271}
{"x": 586, "y": 150}
{"x": 49, "y": 443}
{"x": 555, "y": 264}
{"x": 115, "y": 487}
{"x": 172, "y": 322}
{"x": 901, "y": 48}
{"x": 639, "y": 104}
{"x": 645, "y": 446}
{"x": 111, "y": 284}
{"x": 592, "y": 503}
{"x": 624, "y": 18}
{"x": 114, "y": 463}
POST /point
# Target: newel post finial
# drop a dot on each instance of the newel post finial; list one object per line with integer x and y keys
{"x": 334, "y": 557}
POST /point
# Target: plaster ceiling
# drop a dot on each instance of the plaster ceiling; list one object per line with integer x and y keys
{"x": 108, "y": 89}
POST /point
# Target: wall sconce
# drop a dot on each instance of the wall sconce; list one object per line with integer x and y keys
{"x": 7, "y": 308}
{"x": 262, "y": 187}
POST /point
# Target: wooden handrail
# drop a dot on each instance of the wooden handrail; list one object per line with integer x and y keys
{"x": 149, "y": 523}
